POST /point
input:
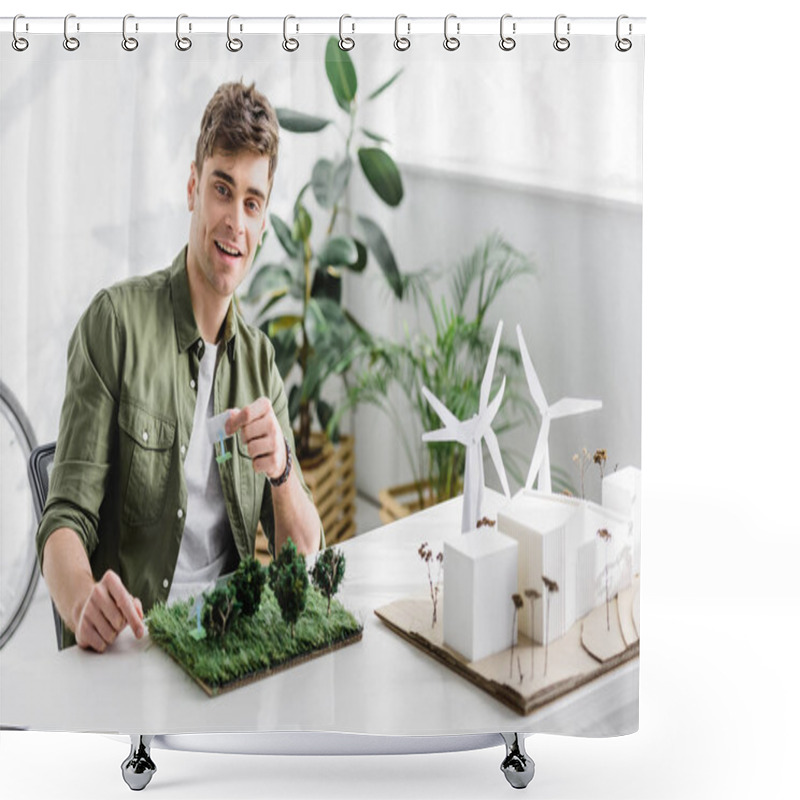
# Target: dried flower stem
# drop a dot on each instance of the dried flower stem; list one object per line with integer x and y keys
{"x": 606, "y": 537}
{"x": 426, "y": 554}
{"x": 517, "y": 600}
{"x": 549, "y": 586}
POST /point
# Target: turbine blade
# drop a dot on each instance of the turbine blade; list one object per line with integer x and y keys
{"x": 488, "y": 375}
{"x": 487, "y": 416}
{"x": 569, "y": 406}
{"x": 534, "y": 385}
{"x": 440, "y": 435}
{"x": 447, "y": 417}
{"x": 539, "y": 453}
{"x": 497, "y": 459}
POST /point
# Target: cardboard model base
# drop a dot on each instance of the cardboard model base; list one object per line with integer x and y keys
{"x": 587, "y": 651}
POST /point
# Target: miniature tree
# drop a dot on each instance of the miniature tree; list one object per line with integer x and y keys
{"x": 533, "y": 596}
{"x": 288, "y": 580}
{"x": 248, "y": 581}
{"x": 426, "y": 554}
{"x": 220, "y": 610}
{"x": 599, "y": 458}
{"x": 606, "y": 537}
{"x": 582, "y": 459}
{"x": 549, "y": 587}
{"x": 328, "y": 573}
{"x": 517, "y": 600}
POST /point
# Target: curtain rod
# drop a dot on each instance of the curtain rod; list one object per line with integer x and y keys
{"x": 348, "y": 25}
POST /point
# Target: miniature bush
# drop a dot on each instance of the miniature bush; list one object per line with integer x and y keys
{"x": 220, "y": 610}
{"x": 328, "y": 572}
{"x": 248, "y": 582}
{"x": 289, "y": 583}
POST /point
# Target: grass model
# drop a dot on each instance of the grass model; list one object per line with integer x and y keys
{"x": 254, "y": 623}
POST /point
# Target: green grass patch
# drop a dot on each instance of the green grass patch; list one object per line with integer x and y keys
{"x": 254, "y": 646}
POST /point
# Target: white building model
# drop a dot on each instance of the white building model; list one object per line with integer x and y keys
{"x": 556, "y": 537}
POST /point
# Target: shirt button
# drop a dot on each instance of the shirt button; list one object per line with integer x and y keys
{"x": 165, "y": 583}
{"x": 145, "y": 436}
{"x": 180, "y": 513}
{"x": 192, "y": 383}
{"x": 183, "y": 449}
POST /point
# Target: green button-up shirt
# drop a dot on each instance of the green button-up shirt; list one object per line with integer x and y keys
{"x": 117, "y": 477}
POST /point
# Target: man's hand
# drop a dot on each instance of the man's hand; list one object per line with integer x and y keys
{"x": 262, "y": 433}
{"x": 105, "y": 612}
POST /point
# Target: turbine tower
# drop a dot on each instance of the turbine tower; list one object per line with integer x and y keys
{"x": 471, "y": 432}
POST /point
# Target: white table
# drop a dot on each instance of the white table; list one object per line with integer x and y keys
{"x": 381, "y": 685}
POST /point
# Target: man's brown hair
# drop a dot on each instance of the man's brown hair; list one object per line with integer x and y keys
{"x": 238, "y": 117}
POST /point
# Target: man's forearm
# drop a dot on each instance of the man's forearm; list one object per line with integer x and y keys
{"x": 295, "y": 517}
{"x": 67, "y": 573}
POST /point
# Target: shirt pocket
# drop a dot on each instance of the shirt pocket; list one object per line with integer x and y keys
{"x": 146, "y": 456}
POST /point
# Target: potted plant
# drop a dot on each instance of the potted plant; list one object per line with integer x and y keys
{"x": 450, "y": 360}
{"x": 297, "y": 301}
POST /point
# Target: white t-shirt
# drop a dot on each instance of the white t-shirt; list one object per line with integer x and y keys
{"x": 207, "y": 547}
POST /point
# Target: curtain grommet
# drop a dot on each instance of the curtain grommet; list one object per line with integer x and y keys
{"x": 233, "y": 44}
{"x": 71, "y": 43}
{"x": 183, "y": 43}
{"x": 19, "y": 43}
{"x": 561, "y": 43}
{"x": 451, "y": 43}
{"x": 507, "y": 43}
{"x": 129, "y": 43}
{"x": 289, "y": 44}
{"x": 346, "y": 42}
{"x": 401, "y": 43}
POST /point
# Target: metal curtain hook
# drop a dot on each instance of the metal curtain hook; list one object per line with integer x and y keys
{"x": 506, "y": 42}
{"x": 181, "y": 42}
{"x": 234, "y": 45}
{"x": 70, "y": 42}
{"x": 561, "y": 43}
{"x": 401, "y": 42}
{"x": 289, "y": 44}
{"x": 19, "y": 43}
{"x": 451, "y": 42}
{"x": 623, "y": 45}
{"x": 129, "y": 43}
{"x": 345, "y": 42}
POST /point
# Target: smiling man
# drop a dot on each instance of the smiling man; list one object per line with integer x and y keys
{"x": 139, "y": 509}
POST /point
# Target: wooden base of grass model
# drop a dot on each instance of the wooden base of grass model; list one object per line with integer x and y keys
{"x": 251, "y": 630}
{"x": 518, "y": 679}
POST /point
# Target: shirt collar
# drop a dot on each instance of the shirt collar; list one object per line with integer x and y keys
{"x": 186, "y": 330}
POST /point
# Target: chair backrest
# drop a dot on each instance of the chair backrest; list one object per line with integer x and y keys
{"x": 39, "y": 465}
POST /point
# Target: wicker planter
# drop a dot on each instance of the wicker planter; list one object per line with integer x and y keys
{"x": 400, "y": 501}
{"x": 331, "y": 477}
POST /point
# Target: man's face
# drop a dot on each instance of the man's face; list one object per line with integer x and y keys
{"x": 228, "y": 202}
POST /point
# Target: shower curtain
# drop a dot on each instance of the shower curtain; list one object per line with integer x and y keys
{"x": 439, "y": 191}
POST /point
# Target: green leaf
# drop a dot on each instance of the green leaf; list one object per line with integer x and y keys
{"x": 338, "y": 251}
{"x": 302, "y": 223}
{"x": 386, "y": 85}
{"x": 380, "y": 248}
{"x": 324, "y": 415}
{"x": 271, "y": 280}
{"x": 341, "y": 74}
{"x": 286, "y": 349}
{"x": 298, "y": 122}
{"x": 376, "y": 137}
{"x": 284, "y": 235}
{"x": 294, "y": 402}
{"x": 382, "y": 173}
{"x": 363, "y": 256}
{"x": 283, "y": 323}
{"x": 321, "y": 177}
{"x": 329, "y": 182}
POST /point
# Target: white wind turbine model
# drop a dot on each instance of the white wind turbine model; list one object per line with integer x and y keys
{"x": 470, "y": 432}
{"x": 566, "y": 407}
